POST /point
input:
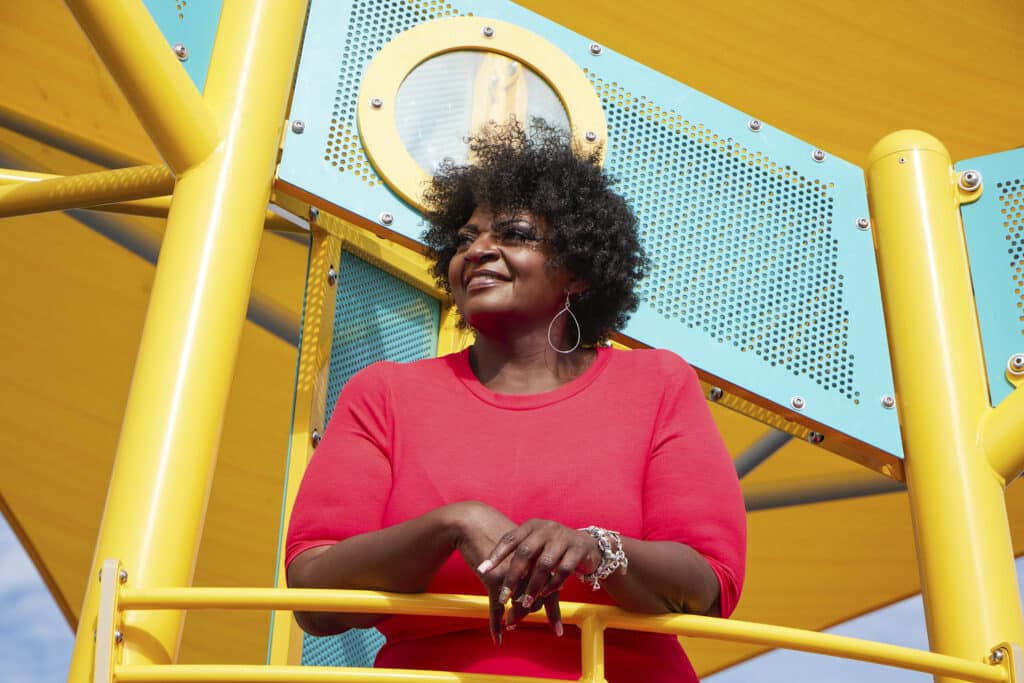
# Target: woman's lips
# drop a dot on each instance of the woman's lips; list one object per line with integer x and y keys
{"x": 483, "y": 281}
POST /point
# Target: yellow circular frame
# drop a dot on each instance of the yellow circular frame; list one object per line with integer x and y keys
{"x": 387, "y": 71}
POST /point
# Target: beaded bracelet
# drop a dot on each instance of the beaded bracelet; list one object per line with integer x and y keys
{"x": 612, "y": 556}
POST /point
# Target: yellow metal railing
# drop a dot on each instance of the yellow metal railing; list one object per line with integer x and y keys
{"x": 592, "y": 620}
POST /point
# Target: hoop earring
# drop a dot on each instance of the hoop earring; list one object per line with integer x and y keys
{"x": 579, "y": 333}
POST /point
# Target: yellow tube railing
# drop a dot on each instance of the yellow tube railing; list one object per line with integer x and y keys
{"x": 593, "y": 620}
{"x": 35, "y": 194}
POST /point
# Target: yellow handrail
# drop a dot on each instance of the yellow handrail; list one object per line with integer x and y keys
{"x": 597, "y": 616}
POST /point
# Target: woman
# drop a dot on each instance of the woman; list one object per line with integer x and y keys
{"x": 535, "y": 455}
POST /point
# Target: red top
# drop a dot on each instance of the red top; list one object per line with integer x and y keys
{"x": 629, "y": 445}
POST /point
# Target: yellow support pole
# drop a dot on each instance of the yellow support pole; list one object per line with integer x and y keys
{"x": 963, "y": 541}
{"x": 82, "y": 191}
{"x": 1002, "y": 434}
{"x": 156, "y": 502}
{"x": 159, "y": 90}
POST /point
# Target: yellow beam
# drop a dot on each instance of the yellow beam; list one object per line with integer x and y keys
{"x": 159, "y": 90}
{"x": 162, "y": 471}
{"x": 36, "y": 195}
{"x": 1002, "y": 436}
{"x": 965, "y": 553}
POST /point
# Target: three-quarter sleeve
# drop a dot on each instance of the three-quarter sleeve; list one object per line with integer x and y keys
{"x": 348, "y": 480}
{"x": 691, "y": 491}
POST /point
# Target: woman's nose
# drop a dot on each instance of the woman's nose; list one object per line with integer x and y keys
{"x": 482, "y": 248}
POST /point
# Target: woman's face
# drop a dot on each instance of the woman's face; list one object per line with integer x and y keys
{"x": 500, "y": 274}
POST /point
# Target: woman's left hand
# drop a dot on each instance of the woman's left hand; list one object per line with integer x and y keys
{"x": 542, "y": 554}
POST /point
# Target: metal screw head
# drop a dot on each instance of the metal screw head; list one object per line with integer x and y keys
{"x": 488, "y": 31}
{"x": 386, "y": 218}
{"x": 118, "y": 636}
{"x": 122, "y": 576}
{"x": 888, "y": 401}
{"x": 902, "y": 160}
{"x": 798, "y": 402}
{"x": 815, "y": 437}
{"x": 590, "y": 136}
{"x": 863, "y": 223}
{"x": 314, "y": 214}
{"x": 754, "y": 125}
{"x": 715, "y": 393}
{"x": 1016, "y": 364}
{"x": 969, "y": 182}
{"x": 298, "y": 127}
{"x": 314, "y": 436}
{"x": 818, "y": 155}
{"x": 997, "y": 656}
{"x": 332, "y": 276}
{"x": 181, "y": 52}
{"x": 376, "y": 102}
{"x": 596, "y": 49}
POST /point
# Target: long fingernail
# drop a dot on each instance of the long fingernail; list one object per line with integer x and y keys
{"x": 485, "y": 566}
{"x": 505, "y": 594}
{"x": 527, "y": 601}
{"x": 510, "y": 627}
{"x": 558, "y": 629}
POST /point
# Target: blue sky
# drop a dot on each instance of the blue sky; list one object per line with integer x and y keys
{"x": 35, "y": 640}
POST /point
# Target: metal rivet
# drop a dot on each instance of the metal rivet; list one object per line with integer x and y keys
{"x": 298, "y": 127}
{"x": 332, "y": 276}
{"x": 997, "y": 656}
{"x": 376, "y": 102}
{"x": 386, "y": 218}
{"x": 818, "y": 155}
{"x": 590, "y": 136}
{"x": 797, "y": 402}
{"x": 815, "y": 437}
{"x": 1016, "y": 364}
{"x": 969, "y": 181}
{"x": 122, "y": 576}
{"x": 314, "y": 214}
{"x": 754, "y": 125}
{"x": 715, "y": 393}
{"x": 118, "y": 636}
{"x": 888, "y": 401}
{"x": 902, "y": 160}
{"x": 488, "y": 31}
{"x": 181, "y": 52}
{"x": 315, "y": 437}
{"x": 596, "y": 49}
{"x": 863, "y": 223}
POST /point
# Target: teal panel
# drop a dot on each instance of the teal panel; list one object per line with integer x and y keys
{"x": 994, "y": 227}
{"x": 377, "y": 317}
{"x": 192, "y": 23}
{"x": 762, "y": 276}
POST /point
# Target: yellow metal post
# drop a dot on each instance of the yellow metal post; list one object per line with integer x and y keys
{"x": 957, "y": 502}
{"x": 161, "y": 476}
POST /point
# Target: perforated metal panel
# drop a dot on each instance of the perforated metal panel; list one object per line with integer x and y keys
{"x": 193, "y": 24}
{"x": 994, "y": 227}
{"x": 761, "y": 275}
{"x": 377, "y": 317}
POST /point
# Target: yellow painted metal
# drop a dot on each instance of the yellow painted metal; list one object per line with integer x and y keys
{"x": 85, "y": 190}
{"x": 592, "y": 649}
{"x": 592, "y": 618}
{"x": 1002, "y": 435}
{"x": 162, "y": 472}
{"x": 393, "y": 63}
{"x": 159, "y": 90}
{"x": 965, "y": 553}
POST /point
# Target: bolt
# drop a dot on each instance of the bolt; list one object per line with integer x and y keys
{"x": 818, "y": 155}
{"x": 754, "y": 125}
{"x": 181, "y": 52}
{"x": 315, "y": 437}
{"x": 488, "y": 31}
{"x": 902, "y": 160}
{"x": 863, "y": 223}
{"x": 715, "y": 393}
{"x": 590, "y": 136}
{"x": 815, "y": 437}
{"x": 997, "y": 656}
{"x": 798, "y": 402}
{"x": 888, "y": 402}
{"x": 386, "y": 218}
{"x": 118, "y": 636}
{"x": 376, "y": 103}
{"x": 314, "y": 214}
{"x": 298, "y": 127}
{"x": 122, "y": 576}
{"x": 596, "y": 49}
{"x": 1016, "y": 364}
{"x": 969, "y": 181}
{"x": 332, "y": 275}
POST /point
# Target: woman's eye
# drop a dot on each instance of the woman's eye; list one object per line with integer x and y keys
{"x": 463, "y": 240}
{"x": 517, "y": 236}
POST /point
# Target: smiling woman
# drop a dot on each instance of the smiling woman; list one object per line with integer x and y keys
{"x": 536, "y": 454}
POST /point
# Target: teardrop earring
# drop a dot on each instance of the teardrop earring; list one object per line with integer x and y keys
{"x": 572, "y": 316}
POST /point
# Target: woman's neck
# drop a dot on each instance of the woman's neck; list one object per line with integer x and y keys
{"x": 525, "y": 364}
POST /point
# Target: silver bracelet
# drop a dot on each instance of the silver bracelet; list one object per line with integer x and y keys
{"x": 612, "y": 556}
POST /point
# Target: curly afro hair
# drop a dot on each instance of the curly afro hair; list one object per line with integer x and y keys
{"x": 592, "y": 229}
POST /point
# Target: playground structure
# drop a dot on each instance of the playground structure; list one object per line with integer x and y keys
{"x": 943, "y": 384}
